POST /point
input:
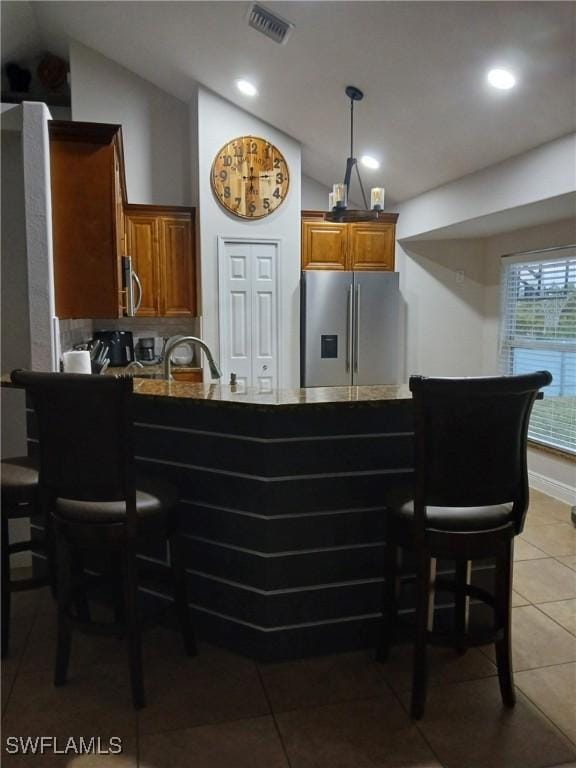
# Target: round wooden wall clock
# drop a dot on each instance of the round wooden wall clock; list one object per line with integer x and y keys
{"x": 250, "y": 177}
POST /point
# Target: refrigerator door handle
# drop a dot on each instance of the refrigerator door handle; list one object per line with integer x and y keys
{"x": 349, "y": 311}
{"x": 357, "y": 327}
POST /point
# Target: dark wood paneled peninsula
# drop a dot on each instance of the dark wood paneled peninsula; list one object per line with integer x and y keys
{"x": 282, "y": 507}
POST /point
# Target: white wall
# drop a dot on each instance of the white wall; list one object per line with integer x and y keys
{"x": 442, "y": 322}
{"x": 154, "y": 125}
{"x": 542, "y": 173}
{"x": 38, "y": 205}
{"x": 314, "y": 195}
{"x": 219, "y": 122}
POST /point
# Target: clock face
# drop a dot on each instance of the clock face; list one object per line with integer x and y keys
{"x": 250, "y": 177}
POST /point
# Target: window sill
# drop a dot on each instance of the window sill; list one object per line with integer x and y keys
{"x": 566, "y": 455}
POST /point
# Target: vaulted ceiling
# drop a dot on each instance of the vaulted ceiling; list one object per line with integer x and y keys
{"x": 428, "y": 114}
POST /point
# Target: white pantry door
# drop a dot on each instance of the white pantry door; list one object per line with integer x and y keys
{"x": 248, "y": 308}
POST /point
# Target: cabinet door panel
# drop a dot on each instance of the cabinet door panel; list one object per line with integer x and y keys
{"x": 323, "y": 245}
{"x": 83, "y": 228}
{"x": 143, "y": 248}
{"x": 177, "y": 266}
{"x": 371, "y": 246}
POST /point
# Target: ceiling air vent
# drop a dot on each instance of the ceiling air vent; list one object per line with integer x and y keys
{"x": 274, "y": 27}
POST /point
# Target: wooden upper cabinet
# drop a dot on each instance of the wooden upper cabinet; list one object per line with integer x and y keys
{"x": 161, "y": 243}
{"x": 323, "y": 245}
{"x": 353, "y": 246}
{"x": 86, "y": 190}
{"x": 142, "y": 246}
{"x": 177, "y": 265}
{"x": 371, "y": 246}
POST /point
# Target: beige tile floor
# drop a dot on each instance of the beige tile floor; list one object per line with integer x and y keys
{"x": 220, "y": 710}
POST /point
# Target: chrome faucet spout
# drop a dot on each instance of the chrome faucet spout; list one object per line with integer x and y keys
{"x": 175, "y": 341}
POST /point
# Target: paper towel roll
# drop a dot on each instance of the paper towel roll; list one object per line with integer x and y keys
{"x": 77, "y": 362}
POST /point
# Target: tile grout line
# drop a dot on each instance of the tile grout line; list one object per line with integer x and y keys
{"x": 412, "y": 722}
{"x": 553, "y": 619}
{"x": 273, "y": 714}
{"x": 21, "y": 657}
{"x": 545, "y": 716}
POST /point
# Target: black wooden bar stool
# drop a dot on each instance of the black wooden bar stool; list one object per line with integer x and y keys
{"x": 468, "y": 501}
{"x": 19, "y": 496}
{"x": 101, "y": 511}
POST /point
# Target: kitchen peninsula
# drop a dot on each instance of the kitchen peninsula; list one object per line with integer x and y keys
{"x": 281, "y": 506}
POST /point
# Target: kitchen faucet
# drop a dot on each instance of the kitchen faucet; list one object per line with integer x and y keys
{"x": 174, "y": 341}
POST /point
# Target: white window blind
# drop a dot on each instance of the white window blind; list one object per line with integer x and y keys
{"x": 538, "y": 332}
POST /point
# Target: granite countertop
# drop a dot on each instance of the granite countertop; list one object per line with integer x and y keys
{"x": 237, "y": 395}
{"x": 220, "y": 393}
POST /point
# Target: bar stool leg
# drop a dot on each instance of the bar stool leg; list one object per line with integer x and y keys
{"x": 180, "y": 599}
{"x": 420, "y": 673}
{"x": 461, "y": 603}
{"x": 64, "y": 592}
{"x": 503, "y": 616}
{"x": 133, "y": 634}
{"x": 6, "y": 593}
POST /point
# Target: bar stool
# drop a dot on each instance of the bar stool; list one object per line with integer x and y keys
{"x": 468, "y": 500}
{"x": 19, "y": 495}
{"x": 100, "y": 508}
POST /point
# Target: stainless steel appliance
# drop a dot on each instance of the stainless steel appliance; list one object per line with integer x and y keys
{"x": 130, "y": 280}
{"x": 120, "y": 346}
{"x": 146, "y": 349}
{"x": 349, "y": 328}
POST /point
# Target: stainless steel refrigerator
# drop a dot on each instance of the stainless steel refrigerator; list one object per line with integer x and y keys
{"x": 349, "y": 328}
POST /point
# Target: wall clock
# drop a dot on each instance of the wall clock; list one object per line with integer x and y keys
{"x": 250, "y": 177}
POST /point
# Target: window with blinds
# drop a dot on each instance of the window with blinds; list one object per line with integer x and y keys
{"x": 538, "y": 332}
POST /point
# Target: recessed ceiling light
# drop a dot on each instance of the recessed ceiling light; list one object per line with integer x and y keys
{"x": 246, "y": 88}
{"x": 501, "y": 79}
{"x": 369, "y": 162}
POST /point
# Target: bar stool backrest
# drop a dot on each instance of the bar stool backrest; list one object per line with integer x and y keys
{"x": 471, "y": 441}
{"x": 85, "y": 432}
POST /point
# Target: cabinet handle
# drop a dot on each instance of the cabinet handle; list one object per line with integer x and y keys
{"x": 139, "y": 286}
{"x": 128, "y": 288}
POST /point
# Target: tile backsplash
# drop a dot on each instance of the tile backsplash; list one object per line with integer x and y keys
{"x": 79, "y": 331}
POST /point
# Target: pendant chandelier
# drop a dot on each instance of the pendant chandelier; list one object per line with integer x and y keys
{"x": 338, "y": 198}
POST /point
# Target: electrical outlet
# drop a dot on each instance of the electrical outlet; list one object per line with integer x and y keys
{"x": 460, "y": 275}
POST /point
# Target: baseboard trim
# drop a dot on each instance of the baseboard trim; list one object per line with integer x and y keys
{"x": 561, "y": 491}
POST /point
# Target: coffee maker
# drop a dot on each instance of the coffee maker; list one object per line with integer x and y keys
{"x": 147, "y": 349}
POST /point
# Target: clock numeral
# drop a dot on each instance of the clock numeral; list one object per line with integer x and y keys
{"x": 276, "y": 162}
{"x": 267, "y": 151}
{"x": 252, "y": 207}
{"x": 223, "y": 175}
{"x": 238, "y": 151}
{"x": 279, "y": 178}
{"x": 253, "y": 148}
{"x": 276, "y": 193}
{"x": 266, "y": 203}
{"x": 227, "y": 159}
{"x": 237, "y": 200}
{"x": 226, "y": 192}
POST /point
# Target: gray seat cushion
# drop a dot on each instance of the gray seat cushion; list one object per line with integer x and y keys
{"x": 464, "y": 519}
{"x": 19, "y": 480}
{"x": 154, "y": 497}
